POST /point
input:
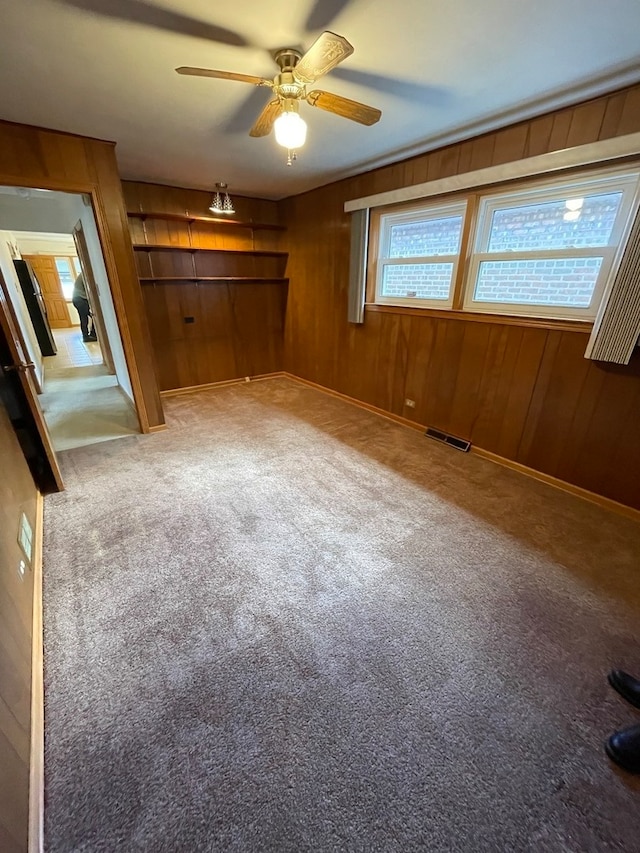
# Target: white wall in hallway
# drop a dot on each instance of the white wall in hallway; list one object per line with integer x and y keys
{"x": 86, "y": 217}
{"x": 20, "y": 306}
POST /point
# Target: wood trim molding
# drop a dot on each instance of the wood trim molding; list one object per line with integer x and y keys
{"x": 482, "y": 317}
{"x": 36, "y": 770}
{"x": 99, "y": 211}
{"x": 374, "y": 409}
{"x": 577, "y": 491}
{"x": 193, "y": 389}
{"x": 581, "y": 155}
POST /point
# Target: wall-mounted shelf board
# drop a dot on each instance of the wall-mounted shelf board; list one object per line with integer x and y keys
{"x": 254, "y": 278}
{"x": 190, "y": 217}
{"x": 159, "y": 247}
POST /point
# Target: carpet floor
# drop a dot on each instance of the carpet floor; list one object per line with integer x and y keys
{"x": 85, "y": 405}
{"x": 288, "y": 624}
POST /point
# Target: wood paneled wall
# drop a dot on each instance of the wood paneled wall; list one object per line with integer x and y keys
{"x": 35, "y": 157}
{"x": 17, "y": 495}
{"x": 209, "y": 331}
{"x": 523, "y": 392}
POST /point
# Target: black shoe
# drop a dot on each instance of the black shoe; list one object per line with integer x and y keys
{"x": 89, "y": 338}
{"x": 626, "y": 685}
{"x": 624, "y": 748}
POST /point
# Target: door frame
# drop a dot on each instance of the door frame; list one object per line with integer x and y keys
{"x": 18, "y": 371}
{"x": 14, "y": 329}
{"x": 93, "y": 191}
{"x": 82, "y": 250}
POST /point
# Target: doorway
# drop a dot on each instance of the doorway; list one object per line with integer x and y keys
{"x": 50, "y": 238}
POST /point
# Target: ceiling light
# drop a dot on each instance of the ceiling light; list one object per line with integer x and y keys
{"x": 221, "y": 201}
{"x": 290, "y": 129}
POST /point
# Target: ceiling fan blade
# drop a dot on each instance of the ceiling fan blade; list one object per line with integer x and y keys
{"x": 223, "y": 75}
{"x": 149, "y": 14}
{"x": 344, "y": 107}
{"x": 323, "y": 13}
{"x": 265, "y": 120}
{"x": 324, "y": 54}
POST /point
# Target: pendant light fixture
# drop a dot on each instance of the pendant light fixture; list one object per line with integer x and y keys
{"x": 221, "y": 202}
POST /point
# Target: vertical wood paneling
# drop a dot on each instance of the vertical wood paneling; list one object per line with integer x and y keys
{"x": 524, "y": 393}
{"x": 560, "y": 381}
{"x": 586, "y": 122}
{"x": 237, "y": 330}
{"x": 518, "y": 378}
{"x": 539, "y": 135}
{"x": 17, "y": 495}
{"x": 466, "y": 400}
{"x": 34, "y": 157}
{"x": 237, "y": 327}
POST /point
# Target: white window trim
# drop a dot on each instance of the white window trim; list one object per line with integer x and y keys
{"x": 623, "y": 180}
{"x": 416, "y": 213}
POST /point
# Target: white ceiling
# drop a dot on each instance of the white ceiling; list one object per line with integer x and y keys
{"x": 439, "y": 70}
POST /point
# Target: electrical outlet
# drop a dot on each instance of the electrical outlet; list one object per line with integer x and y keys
{"x": 411, "y": 404}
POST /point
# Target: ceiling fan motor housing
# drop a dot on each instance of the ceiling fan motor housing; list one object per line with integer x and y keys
{"x": 287, "y": 58}
{"x": 285, "y": 84}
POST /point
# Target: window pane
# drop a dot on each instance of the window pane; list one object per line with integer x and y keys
{"x": 66, "y": 277}
{"x": 575, "y": 223}
{"x": 426, "y": 238}
{"x": 418, "y": 281}
{"x": 565, "y": 282}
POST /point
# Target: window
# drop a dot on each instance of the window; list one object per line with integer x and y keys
{"x": 68, "y": 271}
{"x": 419, "y": 251}
{"x": 546, "y": 250}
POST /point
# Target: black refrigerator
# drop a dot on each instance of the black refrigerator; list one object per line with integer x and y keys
{"x": 36, "y": 307}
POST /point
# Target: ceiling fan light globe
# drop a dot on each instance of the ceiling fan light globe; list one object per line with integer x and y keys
{"x": 290, "y": 130}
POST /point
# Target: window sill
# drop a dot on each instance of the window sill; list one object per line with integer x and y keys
{"x": 476, "y": 317}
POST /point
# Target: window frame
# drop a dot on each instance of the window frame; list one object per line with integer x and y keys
{"x": 477, "y": 225}
{"x": 388, "y": 218}
{"x": 626, "y": 181}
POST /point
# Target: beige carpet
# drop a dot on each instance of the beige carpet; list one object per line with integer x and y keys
{"x": 85, "y": 405}
{"x": 287, "y": 624}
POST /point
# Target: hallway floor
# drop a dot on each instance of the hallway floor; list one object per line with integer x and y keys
{"x": 82, "y": 402}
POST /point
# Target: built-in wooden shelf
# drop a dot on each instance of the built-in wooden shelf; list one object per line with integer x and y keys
{"x": 162, "y": 247}
{"x": 191, "y": 217}
{"x": 196, "y": 278}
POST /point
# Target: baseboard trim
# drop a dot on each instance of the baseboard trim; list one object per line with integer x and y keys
{"x": 577, "y": 491}
{"x": 563, "y": 485}
{"x": 157, "y": 428}
{"x": 369, "y": 408}
{"x": 36, "y": 769}
{"x": 193, "y": 389}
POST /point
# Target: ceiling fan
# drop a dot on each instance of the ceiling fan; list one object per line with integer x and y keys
{"x": 290, "y": 88}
